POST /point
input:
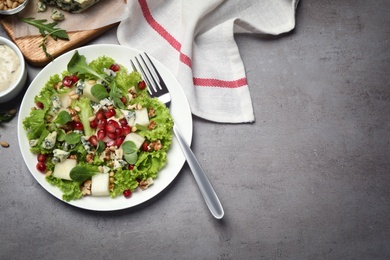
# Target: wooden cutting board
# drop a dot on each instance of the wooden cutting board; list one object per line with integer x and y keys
{"x": 34, "y": 54}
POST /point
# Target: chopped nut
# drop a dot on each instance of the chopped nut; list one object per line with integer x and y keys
{"x": 152, "y": 125}
{"x": 58, "y": 85}
{"x": 89, "y": 158}
{"x": 90, "y": 119}
{"x": 72, "y": 112}
{"x": 111, "y": 180}
{"x": 156, "y": 145}
{"x": 112, "y": 174}
{"x": 100, "y": 168}
{"x": 144, "y": 184}
{"x": 111, "y": 186}
{"x": 134, "y": 129}
{"x": 48, "y": 173}
{"x": 86, "y": 187}
{"x": 77, "y": 109}
{"x": 151, "y": 112}
{"x": 139, "y": 106}
{"x": 73, "y": 156}
{"x": 4, "y": 144}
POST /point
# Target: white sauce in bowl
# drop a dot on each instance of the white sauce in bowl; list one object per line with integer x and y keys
{"x": 9, "y": 67}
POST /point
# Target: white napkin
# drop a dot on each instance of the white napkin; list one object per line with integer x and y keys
{"x": 195, "y": 41}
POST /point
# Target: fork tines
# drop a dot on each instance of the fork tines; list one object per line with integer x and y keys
{"x": 154, "y": 82}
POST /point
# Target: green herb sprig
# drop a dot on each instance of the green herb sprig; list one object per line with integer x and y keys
{"x": 46, "y": 30}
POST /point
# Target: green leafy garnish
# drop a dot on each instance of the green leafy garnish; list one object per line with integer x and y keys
{"x": 63, "y": 118}
{"x": 130, "y": 152}
{"x": 46, "y": 29}
{"x": 81, "y": 173}
{"x": 78, "y": 64}
{"x": 99, "y": 91}
{"x": 72, "y": 138}
{"x": 7, "y": 116}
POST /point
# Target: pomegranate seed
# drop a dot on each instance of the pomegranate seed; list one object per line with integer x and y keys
{"x": 40, "y": 105}
{"x": 110, "y": 113}
{"x": 41, "y": 167}
{"x": 130, "y": 167}
{"x": 112, "y": 136}
{"x": 74, "y": 78}
{"x": 113, "y": 123}
{"x": 115, "y": 67}
{"x": 100, "y": 115}
{"x": 123, "y": 99}
{"x": 67, "y": 81}
{"x": 123, "y": 122}
{"x": 94, "y": 123}
{"x": 42, "y": 158}
{"x": 145, "y": 146}
{"x": 101, "y": 134}
{"x": 118, "y": 131}
{"x": 102, "y": 123}
{"x": 127, "y": 194}
{"x": 126, "y": 129}
{"x": 78, "y": 126}
{"x": 110, "y": 128}
{"x": 119, "y": 141}
{"x": 93, "y": 140}
{"x": 142, "y": 85}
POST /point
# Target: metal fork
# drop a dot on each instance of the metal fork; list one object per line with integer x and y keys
{"x": 157, "y": 88}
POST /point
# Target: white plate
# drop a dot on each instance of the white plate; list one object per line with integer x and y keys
{"x": 180, "y": 111}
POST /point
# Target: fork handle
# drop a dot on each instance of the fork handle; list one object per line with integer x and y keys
{"x": 200, "y": 176}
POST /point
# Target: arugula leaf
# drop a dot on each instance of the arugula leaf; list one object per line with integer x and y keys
{"x": 78, "y": 64}
{"x": 46, "y": 30}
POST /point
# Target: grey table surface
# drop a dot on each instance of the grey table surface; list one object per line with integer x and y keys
{"x": 308, "y": 180}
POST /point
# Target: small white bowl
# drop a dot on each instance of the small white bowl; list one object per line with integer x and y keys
{"x": 14, "y": 89}
{"x": 15, "y": 10}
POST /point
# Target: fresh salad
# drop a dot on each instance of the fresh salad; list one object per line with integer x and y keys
{"x": 96, "y": 131}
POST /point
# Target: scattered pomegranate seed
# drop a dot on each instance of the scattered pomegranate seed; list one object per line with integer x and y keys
{"x": 112, "y": 136}
{"x": 119, "y": 140}
{"x": 41, "y": 166}
{"x": 101, "y": 134}
{"x": 93, "y": 140}
{"x": 145, "y": 146}
{"x": 123, "y": 99}
{"x": 141, "y": 85}
{"x": 130, "y": 167}
{"x": 40, "y": 105}
{"x": 126, "y": 129}
{"x": 102, "y": 123}
{"x": 123, "y": 122}
{"x": 94, "y": 123}
{"x": 100, "y": 115}
{"x": 42, "y": 158}
{"x": 68, "y": 81}
{"x": 110, "y": 113}
{"x": 78, "y": 125}
{"x": 127, "y": 194}
{"x": 115, "y": 67}
{"x": 110, "y": 128}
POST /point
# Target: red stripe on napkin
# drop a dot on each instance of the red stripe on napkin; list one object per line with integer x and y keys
{"x": 202, "y": 82}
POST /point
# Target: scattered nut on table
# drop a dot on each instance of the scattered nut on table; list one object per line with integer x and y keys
{"x": 4, "y": 144}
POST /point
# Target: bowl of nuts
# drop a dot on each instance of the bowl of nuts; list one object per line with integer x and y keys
{"x": 9, "y": 7}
